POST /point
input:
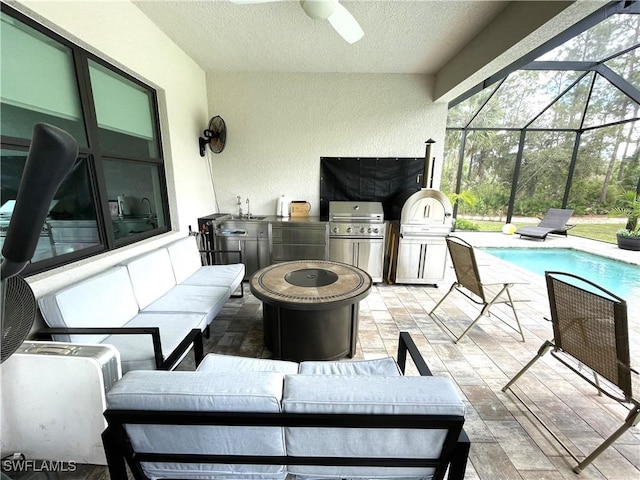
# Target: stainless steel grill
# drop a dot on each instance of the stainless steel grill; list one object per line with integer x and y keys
{"x": 357, "y": 235}
{"x": 425, "y": 222}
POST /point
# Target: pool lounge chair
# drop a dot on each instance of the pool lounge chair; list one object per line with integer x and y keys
{"x": 554, "y": 222}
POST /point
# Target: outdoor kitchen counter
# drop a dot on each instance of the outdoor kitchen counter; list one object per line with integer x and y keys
{"x": 310, "y": 308}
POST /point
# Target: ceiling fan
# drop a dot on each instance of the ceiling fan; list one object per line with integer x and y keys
{"x": 339, "y": 17}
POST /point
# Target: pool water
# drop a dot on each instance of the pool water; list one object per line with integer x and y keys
{"x": 620, "y": 278}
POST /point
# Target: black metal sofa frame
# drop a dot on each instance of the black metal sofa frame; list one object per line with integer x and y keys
{"x": 453, "y": 457}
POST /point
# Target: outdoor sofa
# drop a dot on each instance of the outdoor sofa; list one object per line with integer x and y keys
{"x": 153, "y": 308}
{"x": 243, "y": 418}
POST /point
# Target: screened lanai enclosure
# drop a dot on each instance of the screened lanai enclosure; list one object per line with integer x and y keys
{"x": 561, "y": 131}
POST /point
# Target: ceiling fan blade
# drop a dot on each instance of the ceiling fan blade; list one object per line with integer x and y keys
{"x": 345, "y": 24}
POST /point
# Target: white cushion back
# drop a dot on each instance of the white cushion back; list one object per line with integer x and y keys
{"x": 377, "y": 366}
{"x": 203, "y": 392}
{"x": 218, "y": 363}
{"x": 185, "y": 258}
{"x": 357, "y": 394}
{"x": 104, "y": 300}
{"x": 151, "y": 276}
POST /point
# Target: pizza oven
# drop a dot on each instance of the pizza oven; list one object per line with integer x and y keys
{"x": 420, "y": 248}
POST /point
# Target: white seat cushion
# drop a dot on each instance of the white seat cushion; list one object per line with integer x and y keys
{"x": 203, "y": 392}
{"x": 358, "y": 394}
{"x": 188, "y": 269}
{"x": 215, "y": 363}
{"x": 378, "y": 366}
{"x": 207, "y": 301}
{"x": 218, "y": 275}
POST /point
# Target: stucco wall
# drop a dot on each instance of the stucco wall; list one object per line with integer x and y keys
{"x": 279, "y": 125}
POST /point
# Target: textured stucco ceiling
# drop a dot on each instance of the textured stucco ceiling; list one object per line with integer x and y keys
{"x": 400, "y": 36}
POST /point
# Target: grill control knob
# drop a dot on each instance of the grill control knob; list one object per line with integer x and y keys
{"x": 375, "y": 230}
{"x": 348, "y": 229}
{"x": 369, "y": 230}
{"x": 362, "y": 230}
{"x": 335, "y": 229}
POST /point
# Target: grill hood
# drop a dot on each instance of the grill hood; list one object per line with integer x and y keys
{"x": 356, "y": 212}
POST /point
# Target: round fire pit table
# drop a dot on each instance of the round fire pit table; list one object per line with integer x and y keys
{"x": 310, "y": 308}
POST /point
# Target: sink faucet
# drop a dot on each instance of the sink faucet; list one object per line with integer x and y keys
{"x": 248, "y": 209}
{"x": 239, "y": 206}
{"x": 149, "y": 213}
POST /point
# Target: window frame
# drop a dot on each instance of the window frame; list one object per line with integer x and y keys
{"x": 93, "y": 153}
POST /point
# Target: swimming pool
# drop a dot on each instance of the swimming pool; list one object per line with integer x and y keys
{"x": 621, "y": 278}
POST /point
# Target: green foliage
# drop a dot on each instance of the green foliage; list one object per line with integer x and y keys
{"x": 628, "y": 206}
{"x": 464, "y": 224}
{"x": 546, "y": 109}
{"x": 463, "y": 197}
{"x": 629, "y": 233}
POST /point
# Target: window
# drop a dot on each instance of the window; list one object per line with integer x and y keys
{"x": 125, "y": 114}
{"x": 135, "y": 189}
{"x": 116, "y": 192}
{"x": 38, "y": 83}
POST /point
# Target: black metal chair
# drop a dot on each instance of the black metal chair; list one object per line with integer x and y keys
{"x": 589, "y": 330}
{"x": 486, "y": 290}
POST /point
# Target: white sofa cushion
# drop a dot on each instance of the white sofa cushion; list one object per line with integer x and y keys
{"x": 188, "y": 269}
{"x": 104, "y": 300}
{"x": 136, "y": 351}
{"x": 378, "y": 366}
{"x": 207, "y": 301}
{"x": 216, "y": 363}
{"x": 367, "y": 395}
{"x": 218, "y": 275}
{"x": 185, "y": 258}
{"x": 151, "y": 276}
{"x": 203, "y": 392}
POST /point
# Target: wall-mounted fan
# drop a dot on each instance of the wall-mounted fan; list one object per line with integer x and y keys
{"x": 52, "y": 154}
{"x": 339, "y": 17}
{"x": 215, "y": 136}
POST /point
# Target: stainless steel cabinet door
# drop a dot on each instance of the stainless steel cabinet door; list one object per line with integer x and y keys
{"x": 370, "y": 258}
{"x": 250, "y": 257}
{"x": 421, "y": 261}
{"x": 367, "y": 255}
{"x": 341, "y": 250}
{"x": 263, "y": 253}
{"x": 228, "y": 243}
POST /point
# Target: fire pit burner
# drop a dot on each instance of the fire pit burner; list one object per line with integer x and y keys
{"x": 311, "y": 277}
